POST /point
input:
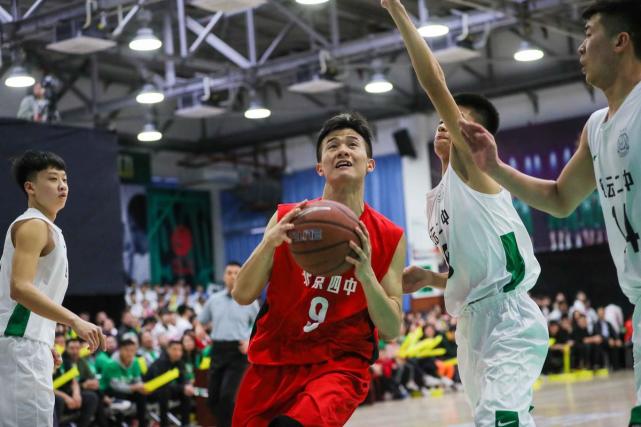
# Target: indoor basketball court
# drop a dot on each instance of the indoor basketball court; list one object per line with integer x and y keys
{"x": 277, "y": 213}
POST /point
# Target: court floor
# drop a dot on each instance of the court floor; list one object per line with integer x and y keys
{"x": 602, "y": 402}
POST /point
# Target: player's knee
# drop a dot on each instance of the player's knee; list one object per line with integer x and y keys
{"x": 284, "y": 421}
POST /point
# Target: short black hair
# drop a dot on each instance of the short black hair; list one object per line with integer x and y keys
{"x": 353, "y": 121}
{"x": 25, "y": 167}
{"x": 619, "y": 16}
{"x": 233, "y": 264}
{"x": 485, "y": 112}
{"x": 174, "y": 342}
{"x": 126, "y": 341}
{"x": 72, "y": 339}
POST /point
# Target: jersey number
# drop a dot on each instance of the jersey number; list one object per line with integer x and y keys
{"x": 317, "y": 313}
{"x": 630, "y": 236}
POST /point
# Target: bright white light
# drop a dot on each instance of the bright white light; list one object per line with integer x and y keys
{"x": 145, "y": 40}
{"x": 18, "y": 77}
{"x": 149, "y": 95}
{"x": 378, "y": 84}
{"x": 433, "y": 30}
{"x": 528, "y": 53}
{"x": 149, "y": 134}
{"x": 311, "y": 1}
{"x": 257, "y": 111}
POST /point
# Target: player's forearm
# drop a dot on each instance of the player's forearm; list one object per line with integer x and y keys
{"x": 541, "y": 194}
{"x": 27, "y": 295}
{"x": 439, "y": 280}
{"x": 254, "y": 274}
{"x": 384, "y": 311}
{"x": 428, "y": 71}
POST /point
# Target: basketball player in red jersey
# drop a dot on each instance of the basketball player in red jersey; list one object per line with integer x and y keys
{"x": 315, "y": 337}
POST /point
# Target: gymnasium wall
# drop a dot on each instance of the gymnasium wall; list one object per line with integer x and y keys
{"x": 91, "y": 219}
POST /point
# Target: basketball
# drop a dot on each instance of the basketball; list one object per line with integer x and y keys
{"x": 321, "y": 236}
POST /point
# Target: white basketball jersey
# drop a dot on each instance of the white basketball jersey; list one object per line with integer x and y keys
{"x": 484, "y": 241}
{"x": 615, "y": 146}
{"x": 52, "y": 278}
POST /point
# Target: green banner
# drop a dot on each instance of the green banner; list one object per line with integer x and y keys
{"x": 180, "y": 238}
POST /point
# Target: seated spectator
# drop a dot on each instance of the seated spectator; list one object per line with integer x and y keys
{"x": 102, "y": 358}
{"x": 70, "y": 397}
{"x": 587, "y": 351}
{"x": 147, "y": 348}
{"x": 612, "y": 344}
{"x": 560, "y": 339}
{"x": 191, "y": 354}
{"x": 178, "y": 389}
{"x": 128, "y": 323}
{"x": 184, "y": 320}
{"x": 121, "y": 379}
{"x": 89, "y": 384}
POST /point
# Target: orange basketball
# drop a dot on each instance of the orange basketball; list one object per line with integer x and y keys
{"x": 321, "y": 236}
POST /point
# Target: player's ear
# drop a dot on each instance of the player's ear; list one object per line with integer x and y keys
{"x": 371, "y": 165}
{"x": 28, "y": 187}
{"x": 319, "y": 169}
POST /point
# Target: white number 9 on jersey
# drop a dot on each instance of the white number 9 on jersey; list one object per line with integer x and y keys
{"x": 317, "y": 313}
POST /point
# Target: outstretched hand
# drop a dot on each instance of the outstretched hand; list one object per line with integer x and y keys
{"x": 386, "y": 4}
{"x": 482, "y": 145}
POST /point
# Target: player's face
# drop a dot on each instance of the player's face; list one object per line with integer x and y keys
{"x": 344, "y": 156}
{"x": 442, "y": 137}
{"x": 597, "y": 56}
{"x": 229, "y": 277}
{"x": 49, "y": 189}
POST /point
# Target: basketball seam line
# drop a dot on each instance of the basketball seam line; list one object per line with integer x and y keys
{"x": 318, "y": 221}
{"x": 332, "y": 269}
{"x": 319, "y": 249}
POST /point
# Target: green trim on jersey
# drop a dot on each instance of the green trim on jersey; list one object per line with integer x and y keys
{"x": 507, "y": 419}
{"x": 514, "y": 260}
{"x": 635, "y": 416}
{"x": 17, "y": 324}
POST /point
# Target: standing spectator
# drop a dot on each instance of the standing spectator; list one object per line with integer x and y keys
{"x": 35, "y": 106}
{"x": 231, "y": 323}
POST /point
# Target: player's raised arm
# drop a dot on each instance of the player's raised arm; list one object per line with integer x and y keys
{"x": 255, "y": 272}
{"x": 559, "y": 198}
{"x": 432, "y": 79}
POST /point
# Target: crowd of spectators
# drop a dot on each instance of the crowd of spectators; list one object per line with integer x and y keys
{"x": 159, "y": 331}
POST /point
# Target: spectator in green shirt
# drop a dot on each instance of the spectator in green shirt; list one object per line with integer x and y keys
{"x": 121, "y": 379}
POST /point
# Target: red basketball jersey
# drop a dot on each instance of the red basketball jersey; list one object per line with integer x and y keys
{"x": 310, "y": 319}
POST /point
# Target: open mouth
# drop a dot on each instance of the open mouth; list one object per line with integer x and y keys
{"x": 343, "y": 164}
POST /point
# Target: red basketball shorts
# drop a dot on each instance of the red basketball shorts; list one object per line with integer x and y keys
{"x": 318, "y": 395}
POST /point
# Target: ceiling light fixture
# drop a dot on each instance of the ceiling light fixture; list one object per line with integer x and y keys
{"x": 149, "y": 95}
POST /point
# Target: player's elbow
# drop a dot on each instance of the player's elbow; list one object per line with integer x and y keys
{"x": 241, "y": 297}
{"x": 16, "y": 291}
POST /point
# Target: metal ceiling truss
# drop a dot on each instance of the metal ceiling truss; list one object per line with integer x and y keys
{"x": 239, "y": 69}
